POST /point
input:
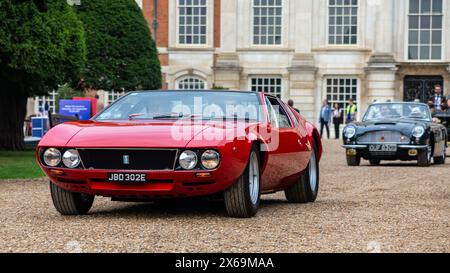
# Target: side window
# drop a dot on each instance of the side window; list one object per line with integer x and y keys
{"x": 291, "y": 114}
{"x": 271, "y": 113}
{"x": 280, "y": 115}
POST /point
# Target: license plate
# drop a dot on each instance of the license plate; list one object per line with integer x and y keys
{"x": 383, "y": 148}
{"x": 127, "y": 177}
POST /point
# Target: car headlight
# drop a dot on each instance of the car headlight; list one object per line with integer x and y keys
{"x": 350, "y": 132}
{"x": 188, "y": 160}
{"x": 52, "y": 157}
{"x": 71, "y": 158}
{"x": 210, "y": 159}
{"x": 418, "y": 131}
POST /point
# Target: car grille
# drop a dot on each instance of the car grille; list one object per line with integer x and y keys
{"x": 128, "y": 159}
{"x": 383, "y": 137}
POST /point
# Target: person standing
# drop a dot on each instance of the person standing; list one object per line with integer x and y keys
{"x": 291, "y": 104}
{"x": 438, "y": 99}
{"x": 325, "y": 118}
{"x": 350, "y": 111}
{"x": 337, "y": 119}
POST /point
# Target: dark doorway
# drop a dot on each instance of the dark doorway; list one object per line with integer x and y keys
{"x": 420, "y": 87}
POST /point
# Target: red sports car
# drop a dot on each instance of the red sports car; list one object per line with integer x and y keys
{"x": 152, "y": 145}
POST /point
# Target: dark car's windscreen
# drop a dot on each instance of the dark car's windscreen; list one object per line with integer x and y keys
{"x": 397, "y": 110}
{"x": 184, "y": 104}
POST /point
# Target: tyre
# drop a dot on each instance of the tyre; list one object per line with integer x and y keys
{"x": 70, "y": 203}
{"x": 374, "y": 162}
{"x": 353, "y": 160}
{"x": 424, "y": 157}
{"x": 307, "y": 187}
{"x": 243, "y": 198}
{"x": 441, "y": 159}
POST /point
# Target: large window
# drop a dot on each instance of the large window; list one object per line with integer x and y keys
{"x": 267, "y": 17}
{"x": 191, "y": 83}
{"x": 268, "y": 85}
{"x": 425, "y": 30}
{"x": 192, "y": 22}
{"x": 340, "y": 90}
{"x": 343, "y": 22}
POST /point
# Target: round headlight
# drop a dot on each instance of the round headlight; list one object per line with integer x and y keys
{"x": 188, "y": 160}
{"x": 71, "y": 159}
{"x": 52, "y": 157}
{"x": 350, "y": 132}
{"x": 418, "y": 131}
{"x": 210, "y": 159}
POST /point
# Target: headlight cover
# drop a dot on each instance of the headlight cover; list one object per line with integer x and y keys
{"x": 71, "y": 158}
{"x": 52, "y": 157}
{"x": 350, "y": 131}
{"x": 188, "y": 160}
{"x": 418, "y": 131}
{"x": 210, "y": 159}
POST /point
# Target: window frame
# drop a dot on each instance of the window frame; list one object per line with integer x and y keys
{"x": 407, "y": 29}
{"x": 282, "y": 26}
{"x": 281, "y": 108}
{"x": 358, "y": 27}
{"x": 207, "y": 26}
{"x": 276, "y": 77}
{"x": 191, "y": 77}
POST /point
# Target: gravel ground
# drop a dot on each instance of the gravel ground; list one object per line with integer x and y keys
{"x": 396, "y": 207}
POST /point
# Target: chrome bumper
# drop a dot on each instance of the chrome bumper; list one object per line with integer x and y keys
{"x": 400, "y": 146}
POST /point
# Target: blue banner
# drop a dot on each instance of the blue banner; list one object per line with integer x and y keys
{"x": 73, "y": 107}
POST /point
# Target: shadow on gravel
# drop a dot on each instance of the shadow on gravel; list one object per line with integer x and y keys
{"x": 174, "y": 208}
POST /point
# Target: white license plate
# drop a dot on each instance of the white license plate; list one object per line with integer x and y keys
{"x": 127, "y": 177}
{"x": 383, "y": 148}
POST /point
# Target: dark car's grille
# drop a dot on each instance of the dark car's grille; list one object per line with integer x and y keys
{"x": 128, "y": 159}
{"x": 383, "y": 136}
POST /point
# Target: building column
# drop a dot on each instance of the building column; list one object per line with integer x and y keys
{"x": 302, "y": 84}
{"x": 226, "y": 66}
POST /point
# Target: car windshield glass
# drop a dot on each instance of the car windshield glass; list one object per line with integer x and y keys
{"x": 397, "y": 110}
{"x": 174, "y": 105}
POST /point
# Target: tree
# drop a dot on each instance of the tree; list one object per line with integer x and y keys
{"x": 121, "y": 52}
{"x": 42, "y": 45}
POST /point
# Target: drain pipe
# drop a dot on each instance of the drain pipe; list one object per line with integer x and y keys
{"x": 155, "y": 19}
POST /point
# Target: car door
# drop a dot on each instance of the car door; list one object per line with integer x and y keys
{"x": 284, "y": 149}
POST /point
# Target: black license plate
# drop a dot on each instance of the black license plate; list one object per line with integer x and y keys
{"x": 383, "y": 148}
{"x": 127, "y": 177}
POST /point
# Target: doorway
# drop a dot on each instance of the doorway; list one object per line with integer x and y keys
{"x": 420, "y": 87}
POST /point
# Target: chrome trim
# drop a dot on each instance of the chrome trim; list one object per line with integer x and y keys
{"x": 413, "y": 146}
{"x": 354, "y": 146}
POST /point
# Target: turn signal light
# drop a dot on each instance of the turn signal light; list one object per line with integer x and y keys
{"x": 203, "y": 175}
{"x": 56, "y": 172}
{"x": 412, "y": 152}
{"x": 351, "y": 152}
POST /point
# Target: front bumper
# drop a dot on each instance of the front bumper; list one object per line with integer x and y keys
{"x": 404, "y": 152}
{"x": 159, "y": 184}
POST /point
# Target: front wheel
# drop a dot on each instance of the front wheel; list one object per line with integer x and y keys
{"x": 242, "y": 199}
{"x": 353, "y": 160}
{"x": 307, "y": 187}
{"x": 70, "y": 203}
{"x": 424, "y": 157}
{"x": 441, "y": 159}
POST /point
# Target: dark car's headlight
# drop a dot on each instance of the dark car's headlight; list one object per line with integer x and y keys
{"x": 71, "y": 158}
{"x": 350, "y": 132}
{"x": 210, "y": 159}
{"x": 418, "y": 131}
{"x": 188, "y": 160}
{"x": 52, "y": 157}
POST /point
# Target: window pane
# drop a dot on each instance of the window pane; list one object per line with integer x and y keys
{"x": 267, "y": 19}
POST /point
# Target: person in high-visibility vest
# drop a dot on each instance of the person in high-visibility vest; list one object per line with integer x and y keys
{"x": 351, "y": 111}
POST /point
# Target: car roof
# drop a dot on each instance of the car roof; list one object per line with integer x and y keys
{"x": 195, "y": 90}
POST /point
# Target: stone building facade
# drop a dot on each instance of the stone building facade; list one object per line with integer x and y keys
{"x": 305, "y": 50}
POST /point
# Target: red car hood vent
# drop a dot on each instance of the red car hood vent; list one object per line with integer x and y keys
{"x": 136, "y": 135}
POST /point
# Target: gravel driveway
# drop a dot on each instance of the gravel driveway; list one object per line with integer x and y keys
{"x": 392, "y": 208}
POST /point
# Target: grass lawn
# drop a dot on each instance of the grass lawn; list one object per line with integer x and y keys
{"x": 14, "y": 165}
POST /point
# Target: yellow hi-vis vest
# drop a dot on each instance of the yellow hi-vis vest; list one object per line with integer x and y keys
{"x": 351, "y": 109}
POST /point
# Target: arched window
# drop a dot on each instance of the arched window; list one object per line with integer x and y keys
{"x": 191, "y": 83}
